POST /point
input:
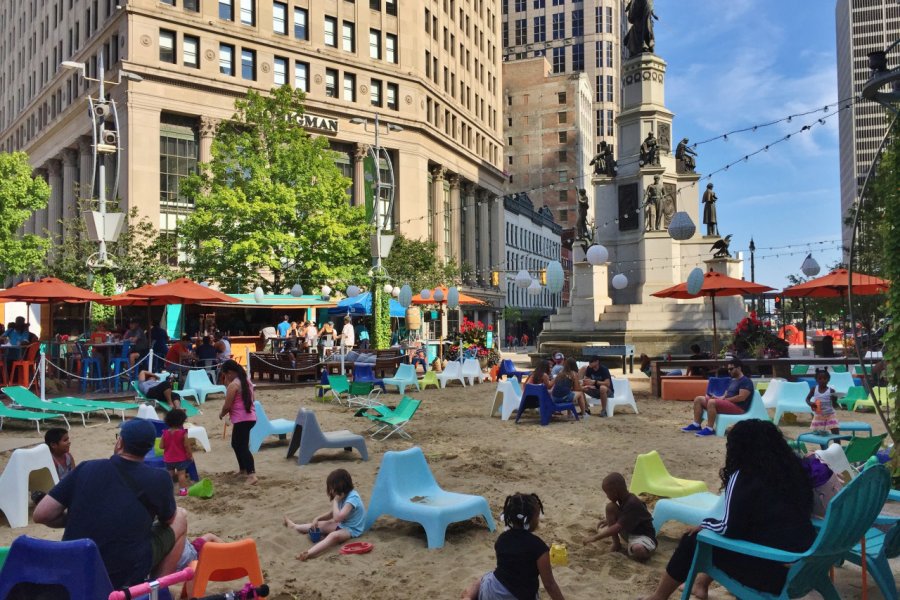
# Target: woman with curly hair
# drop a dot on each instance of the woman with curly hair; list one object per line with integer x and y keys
{"x": 768, "y": 501}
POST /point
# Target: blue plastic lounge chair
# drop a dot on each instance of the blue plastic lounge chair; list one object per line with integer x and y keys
{"x": 99, "y": 405}
{"x": 403, "y": 378}
{"x": 757, "y": 410}
{"x": 716, "y": 386}
{"x": 265, "y": 427}
{"x": 187, "y": 408}
{"x": 880, "y": 546}
{"x": 34, "y": 403}
{"x": 690, "y": 510}
{"x": 365, "y": 373}
{"x": 75, "y": 566}
{"x": 850, "y": 515}
{"x": 537, "y": 396}
{"x": 508, "y": 368}
{"x": 198, "y": 381}
{"x": 308, "y": 437}
{"x": 791, "y": 398}
{"x": 405, "y": 489}
{"x": 27, "y": 415}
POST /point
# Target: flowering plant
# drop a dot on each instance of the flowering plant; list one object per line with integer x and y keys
{"x": 473, "y": 332}
{"x": 751, "y": 335}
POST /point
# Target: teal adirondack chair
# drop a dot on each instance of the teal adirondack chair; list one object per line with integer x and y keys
{"x": 850, "y": 514}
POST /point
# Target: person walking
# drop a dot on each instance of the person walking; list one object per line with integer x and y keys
{"x": 239, "y": 407}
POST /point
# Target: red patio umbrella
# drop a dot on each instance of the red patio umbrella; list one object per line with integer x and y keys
{"x": 835, "y": 285}
{"x": 48, "y": 290}
{"x": 715, "y": 284}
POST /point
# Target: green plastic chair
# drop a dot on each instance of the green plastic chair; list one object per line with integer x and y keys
{"x": 839, "y": 369}
{"x": 854, "y": 394}
{"x": 858, "y": 370}
{"x": 430, "y": 378}
{"x": 651, "y": 476}
{"x": 99, "y": 405}
{"x": 32, "y": 402}
{"x": 340, "y": 385}
{"x": 187, "y": 408}
{"x": 861, "y": 449}
{"x": 799, "y": 369}
{"x": 850, "y": 515}
{"x": 397, "y": 420}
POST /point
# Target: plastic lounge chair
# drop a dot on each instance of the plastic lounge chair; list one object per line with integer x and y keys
{"x": 651, "y": 476}
{"x": 850, "y": 514}
{"x": 75, "y": 566}
{"x": 839, "y": 369}
{"x": 854, "y": 394}
{"x": 406, "y": 489}
{"x": 372, "y": 413}
{"x": 98, "y": 405}
{"x": 472, "y": 373}
{"x": 403, "y": 378}
{"x": 28, "y": 469}
{"x": 690, "y": 510}
{"x": 265, "y": 427}
{"x": 537, "y": 396}
{"x": 198, "y": 381}
{"x": 187, "y": 408}
{"x": 512, "y": 396}
{"x": 365, "y": 373}
{"x": 340, "y": 385}
{"x": 716, "y": 386}
{"x": 27, "y": 415}
{"x": 756, "y": 410}
{"x": 841, "y": 382}
{"x": 799, "y": 369}
{"x": 453, "y": 372}
{"x": 363, "y": 394}
{"x": 623, "y": 396}
{"x": 33, "y": 402}
{"x": 792, "y": 398}
{"x": 880, "y": 546}
{"x": 508, "y": 368}
{"x": 861, "y": 449}
{"x": 770, "y": 397}
{"x": 224, "y": 561}
{"x": 309, "y": 437}
{"x": 397, "y": 420}
{"x": 429, "y": 378}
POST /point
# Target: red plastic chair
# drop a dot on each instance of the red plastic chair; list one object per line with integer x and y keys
{"x": 25, "y": 367}
{"x": 224, "y": 561}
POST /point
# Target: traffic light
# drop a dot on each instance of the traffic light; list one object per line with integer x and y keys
{"x": 543, "y": 276}
{"x": 777, "y": 302}
{"x": 495, "y": 278}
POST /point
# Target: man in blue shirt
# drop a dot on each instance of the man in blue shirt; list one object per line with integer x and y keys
{"x": 125, "y": 507}
{"x": 735, "y": 401}
{"x": 284, "y": 327}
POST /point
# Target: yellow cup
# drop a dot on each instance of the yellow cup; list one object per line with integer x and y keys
{"x": 559, "y": 556}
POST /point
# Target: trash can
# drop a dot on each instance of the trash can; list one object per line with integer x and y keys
{"x": 828, "y": 346}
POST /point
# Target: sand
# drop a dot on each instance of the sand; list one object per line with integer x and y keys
{"x": 468, "y": 452}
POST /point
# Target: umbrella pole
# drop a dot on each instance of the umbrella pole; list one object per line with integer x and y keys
{"x": 805, "y": 325}
{"x": 715, "y": 330}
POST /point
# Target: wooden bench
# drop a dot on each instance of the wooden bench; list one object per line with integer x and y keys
{"x": 626, "y": 351}
{"x": 683, "y": 388}
{"x": 388, "y": 359}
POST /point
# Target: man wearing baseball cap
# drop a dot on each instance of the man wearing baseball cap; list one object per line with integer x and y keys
{"x": 558, "y": 363}
{"x": 125, "y": 507}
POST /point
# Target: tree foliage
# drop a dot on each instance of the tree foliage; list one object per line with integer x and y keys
{"x": 415, "y": 262}
{"x": 271, "y": 208}
{"x": 137, "y": 255}
{"x": 21, "y": 194}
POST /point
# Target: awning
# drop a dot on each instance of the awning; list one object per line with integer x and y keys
{"x": 361, "y": 305}
{"x": 271, "y": 301}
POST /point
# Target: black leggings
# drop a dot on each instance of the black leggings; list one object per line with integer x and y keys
{"x": 240, "y": 443}
{"x": 763, "y": 575}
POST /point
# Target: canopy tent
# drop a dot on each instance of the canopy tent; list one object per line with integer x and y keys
{"x": 361, "y": 305}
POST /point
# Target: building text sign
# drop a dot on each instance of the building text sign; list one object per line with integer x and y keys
{"x": 317, "y": 123}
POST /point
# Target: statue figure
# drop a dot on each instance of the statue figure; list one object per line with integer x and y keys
{"x": 709, "y": 210}
{"x": 653, "y": 197}
{"x": 639, "y": 38}
{"x": 668, "y": 205}
{"x": 686, "y": 155}
{"x": 582, "y": 231}
{"x": 649, "y": 151}
{"x": 603, "y": 162}
{"x": 721, "y": 247}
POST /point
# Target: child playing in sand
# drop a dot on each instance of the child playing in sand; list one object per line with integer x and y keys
{"x": 627, "y": 518}
{"x": 821, "y": 400}
{"x": 57, "y": 439}
{"x": 345, "y": 519}
{"x": 521, "y": 556}
{"x": 176, "y": 450}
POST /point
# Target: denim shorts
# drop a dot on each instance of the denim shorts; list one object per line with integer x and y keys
{"x": 567, "y": 399}
{"x": 179, "y": 466}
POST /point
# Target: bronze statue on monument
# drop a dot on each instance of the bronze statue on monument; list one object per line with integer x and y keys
{"x": 653, "y": 198}
{"x": 686, "y": 157}
{"x": 640, "y": 38}
{"x": 584, "y": 231}
{"x": 721, "y": 247}
{"x": 709, "y": 211}
{"x": 649, "y": 151}
{"x": 603, "y": 162}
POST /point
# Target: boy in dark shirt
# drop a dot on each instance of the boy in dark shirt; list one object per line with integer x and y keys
{"x": 627, "y": 518}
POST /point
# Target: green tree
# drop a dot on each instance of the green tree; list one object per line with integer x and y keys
{"x": 138, "y": 254}
{"x": 20, "y": 195}
{"x": 271, "y": 208}
{"x": 415, "y": 262}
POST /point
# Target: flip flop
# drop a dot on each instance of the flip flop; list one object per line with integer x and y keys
{"x": 357, "y": 548}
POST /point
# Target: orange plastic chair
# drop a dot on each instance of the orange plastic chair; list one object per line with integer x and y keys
{"x": 224, "y": 561}
{"x": 25, "y": 367}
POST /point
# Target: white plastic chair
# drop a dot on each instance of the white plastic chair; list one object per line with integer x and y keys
{"x": 836, "y": 460}
{"x": 512, "y": 396}
{"x": 196, "y": 432}
{"x": 147, "y": 411}
{"x": 770, "y": 398}
{"x": 28, "y": 469}
{"x": 792, "y": 398}
{"x": 623, "y": 396}
{"x": 471, "y": 371}
{"x": 453, "y": 372}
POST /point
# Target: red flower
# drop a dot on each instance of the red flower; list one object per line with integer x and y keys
{"x": 490, "y": 327}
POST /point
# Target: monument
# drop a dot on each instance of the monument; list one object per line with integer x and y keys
{"x": 634, "y": 206}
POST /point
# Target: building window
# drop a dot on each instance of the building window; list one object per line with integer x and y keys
{"x": 609, "y": 54}
{"x": 390, "y": 47}
{"x": 559, "y": 2}
{"x": 563, "y": 175}
{"x": 578, "y": 22}
{"x": 348, "y": 36}
{"x": 609, "y": 88}
{"x": 375, "y": 92}
{"x": 248, "y": 64}
{"x": 166, "y": 46}
{"x": 331, "y": 32}
{"x": 563, "y": 197}
{"x": 375, "y": 4}
{"x": 191, "y": 5}
{"x": 226, "y": 59}
{"x": 248, "y": 12}
{"x": 559, "y": 59}
{"x": 561, "y": 97}
{"x": 280, "y": 66}
{"x": 563, "y": 156}
{"x": 375, "y": 44}
{"x": 539, "y": 3}
{"x": 578, "y": 57}
{"x": 300, "y": 20}
{"x": 226, "y": 10}
{"x": 331, "y": 77}
{"x": 349, "y": 87}
{"x": 540, "y": 29}
{"x": 561, "y": 117}
{"x": 179, "y": 155}
{"x": 301, "y": 76}
{"x": 609, "y": 19}
{"x": 598, "y": 17}
{"x": 598, "y": 54}
{"x": 521, "y": 32}
{"x": 390, "y": 7}
{"x": 562, "y": 137}
{"x": 610, "y": 122}
{"x": 191, "y": 51}
{"x": 520, "y": 5}
{"x": 393, "y": 93}
{"x": 559, "y": 26}
{"x": 599, "y": 87}
{"x": 279, "y": 17}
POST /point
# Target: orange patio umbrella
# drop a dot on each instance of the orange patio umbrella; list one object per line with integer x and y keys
{"x": 836, "y": 284}
{"x": 49, "y": 290}
{"x": 179, "y": 291}
{"x": 463, "y": 298}
{"x": 715, "y": 284}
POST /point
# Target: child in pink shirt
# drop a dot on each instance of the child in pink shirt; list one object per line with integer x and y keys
{"x": 176, "y": 450}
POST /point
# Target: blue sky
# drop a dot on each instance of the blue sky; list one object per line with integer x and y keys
{"x": 737, "y": 63}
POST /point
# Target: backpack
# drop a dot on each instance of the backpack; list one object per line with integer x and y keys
{"x": 826, "y": 483}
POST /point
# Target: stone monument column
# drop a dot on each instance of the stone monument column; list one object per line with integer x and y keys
{"x": 49, "y": 218}
{"x": 359, "y": 175}
{"x": 455, "y": 252}
{"x": 437, "y": 216}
